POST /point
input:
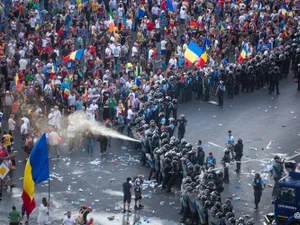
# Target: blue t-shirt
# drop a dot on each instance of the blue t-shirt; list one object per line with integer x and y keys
{"x": 126, "y": 188}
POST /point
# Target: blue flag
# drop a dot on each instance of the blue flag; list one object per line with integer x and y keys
{"x": 140, "y": 13}
{"x": 206, "y": 44}
{"x": 124, "y": 19}
{"x": 39, "y": 160}
{"x": 137, "y": 82}
{"x": 68, "y": 20}
{"x": 170, "y": 6}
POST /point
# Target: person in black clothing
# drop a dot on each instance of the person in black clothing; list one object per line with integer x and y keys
{"x": 238, "y": 150}
{"x": 103, "y": 143}
{"x": 106, "y": 114}
{"x": 181, "y": 126}
{"x": 200, "y": 156}
{"x": 127, "y": 188}
{"x": 258, "y": 186}
{"x": 298, "y": 77}
{"x": 274, "y": 76}
{"x": 226, "y": 162}
{"x": 167, "y": 169}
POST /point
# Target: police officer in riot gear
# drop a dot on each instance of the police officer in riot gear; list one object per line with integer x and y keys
{"x": 175, "y": 107}
{"x": 181, "y": 122}
{"x": 225, "y": 163}
{"x": 238, "y": 150}
{"x": 230, "y": 84}
{"x": 274, "y": 80}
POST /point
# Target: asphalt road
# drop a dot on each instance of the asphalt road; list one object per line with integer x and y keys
{"x": 268, "y": 124}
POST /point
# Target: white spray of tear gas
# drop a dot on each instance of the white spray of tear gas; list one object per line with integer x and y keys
{"x": 80, "y": 122}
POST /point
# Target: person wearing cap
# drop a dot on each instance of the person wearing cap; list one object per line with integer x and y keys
{"x": 14, "y": 216}
{"x": 68, "y": 220}
{"x": 220, "y": 93}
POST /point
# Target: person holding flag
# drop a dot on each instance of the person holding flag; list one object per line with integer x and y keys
{"x": 36, "y": 171}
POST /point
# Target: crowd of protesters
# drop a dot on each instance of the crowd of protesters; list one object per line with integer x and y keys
{"x": 133, "y": 69}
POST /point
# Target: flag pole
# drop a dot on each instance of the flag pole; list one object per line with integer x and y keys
{"x": 49, "y": 183}
{"x": 49, "y": 194}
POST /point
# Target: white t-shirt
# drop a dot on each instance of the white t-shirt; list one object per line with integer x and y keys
{"x": 57, "y": 116}
{"x": 32, "y": 22}
{"x": 71, "y": 132}
{"x": 23, "y": 64}
{"x": 129, "y": 24}
{"x": 51, "y": 119}
{"x": 11, "y": 124}
{"x": 157, "y": 24}
{"x": 163, "y": 45}
{"x": 129, "y": 114}
{"x": 24, "y": 128}
{"x": 26, "y": 120}
{"x": 94, "y": 106}
{"x": 53, "y": 138}
{"x": 108, "y": 51}
{"x": 69, "y": 221}
{"x": 183, "y": 14}
{"x": 151, "y": 51}
{"x": 133, "y": 51}
{"x": 43, "y": 216}
{"x": 117, "y": 51}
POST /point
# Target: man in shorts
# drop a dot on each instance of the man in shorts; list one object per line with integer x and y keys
{"x": 127, "y": 188}
{"x": 138, "y": 192}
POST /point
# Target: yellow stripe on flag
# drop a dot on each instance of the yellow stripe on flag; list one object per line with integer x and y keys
{"x": 243, "y": 54}
{"x": 190, "y": 56}
{"x": 28, "y": 183}
{"x": 72, "y": 56}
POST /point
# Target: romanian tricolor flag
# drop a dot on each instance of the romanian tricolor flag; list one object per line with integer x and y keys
{"x": 74, "y": 55}
{"x": 243, "y": 54}
{"x": 193, "y": 24}
{"x": 165, "y": 31}
{"x": 36, "y": 171}
{"x": 67, "y": 93}
{"x": 18, "y": 83}
{"x": 284, "y": 34}
{"x": 284, "y": 9}
{"x": 192, "y": 53}
{"x": 223, "y": 26}
{"x": 203, "y": 59}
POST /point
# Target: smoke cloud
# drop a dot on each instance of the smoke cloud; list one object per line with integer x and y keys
{"x": 80, "y": 122}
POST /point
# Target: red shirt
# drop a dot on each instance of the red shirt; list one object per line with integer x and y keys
{"x": 163, "y": 5}
{"x": 21, "y": 76}
{"x": 150, "y": 26}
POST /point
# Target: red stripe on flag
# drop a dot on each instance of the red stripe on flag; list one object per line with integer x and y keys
{"x": 29, "y": 205}
{"x": 201, "y": 62}
{"x": 240, "y": 59}
{"x": 186, "y": 61}
{"x": 67, "y": 58}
